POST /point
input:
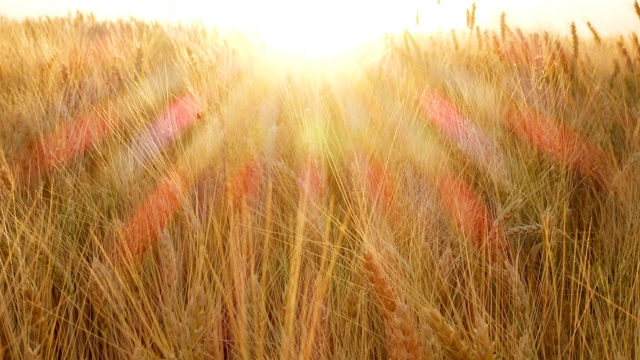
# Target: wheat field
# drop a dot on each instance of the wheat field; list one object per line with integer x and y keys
{"x": 179, "y": 192}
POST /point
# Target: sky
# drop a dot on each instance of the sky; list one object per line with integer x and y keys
{"x": 327, "y": 23}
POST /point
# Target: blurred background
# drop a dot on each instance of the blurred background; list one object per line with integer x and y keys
{"x": 344, "y": 23}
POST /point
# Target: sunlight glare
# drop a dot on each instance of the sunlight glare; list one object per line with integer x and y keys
{"x": 331, "y": 27}
{"x": 313, "y": 29}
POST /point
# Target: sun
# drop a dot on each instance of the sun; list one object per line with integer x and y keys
{"x": 303, "y": 27}
{"x": 311, "y": 28}
{"x": 312, "y": 39}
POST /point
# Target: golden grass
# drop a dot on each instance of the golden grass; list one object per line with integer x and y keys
{"x": 460, "y": 195}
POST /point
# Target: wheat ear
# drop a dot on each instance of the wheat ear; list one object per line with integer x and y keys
{"x": 402, "y": 333}
{"x": 448, "y": 337}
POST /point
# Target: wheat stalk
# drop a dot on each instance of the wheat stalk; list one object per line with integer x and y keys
{"x": 256, "y": 314}
{"x": 168, "y": 261}
{"x": 504, "y": 29}
{"x": 615, "y": 73}
{"x": 64, "y": 73}
{"x": 172, "y": 314}
{"x": 508, "y": 212}
{"x": 33, "y": 315}
{"x": 562, "y": 57}
{"x": 99, "y": 290}
{"x": 479, "y": 38}
{"x": 625, "y": 54}
{"x": 594, "y": 32}
{"x": 517, "y": 287}
{"x": 404, "y": 340}
{"x": 575, "y": 40}
{"x": 471, "y": 17}
{"x": 215, "y": 339}
{"x": 106, "y": 297}
{"x": 196, "y": 322}
{"x": 454, "y": 38}
{"x": 6, "y": 177}
{"x": 497, "y": 48}
{"x": 525, "y": 347}
{"x": 525, "y": 229}
{"x": 322, "y": 335}
{"x": 636, "y": 43}
{"x": 448, "y": 337}
{"x": 138, "y": 61}
{"x": 380, "y": 284}
{"x": 482, "y": 343}
{"x": 402, "y": 334}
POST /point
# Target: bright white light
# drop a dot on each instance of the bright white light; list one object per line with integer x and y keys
{"x": 311, "y": 28}
{"x": 325, "y": 27}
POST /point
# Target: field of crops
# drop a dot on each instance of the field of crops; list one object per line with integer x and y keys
{"x": 179, "y": 192}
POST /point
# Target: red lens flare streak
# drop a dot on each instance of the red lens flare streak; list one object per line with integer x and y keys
{"x": 371, "y": 175}
{"x": 560, "y": 143}
{"x": 380, "y": 185}
{"x": 467, "y": 136}
{"x": 465, "y": 207}
{"x": 176, "y": 119}
{"x": 179, "y": 117}
{"x": 245, "y": 182}
{"x": 67, "y": 141}
{"x": 469, "y": 213}
{"x": 62, "y": 145}
{"x": 312, "y": 180}
{"x": 526, "y": 53}
{"x": 142, "y": 229}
